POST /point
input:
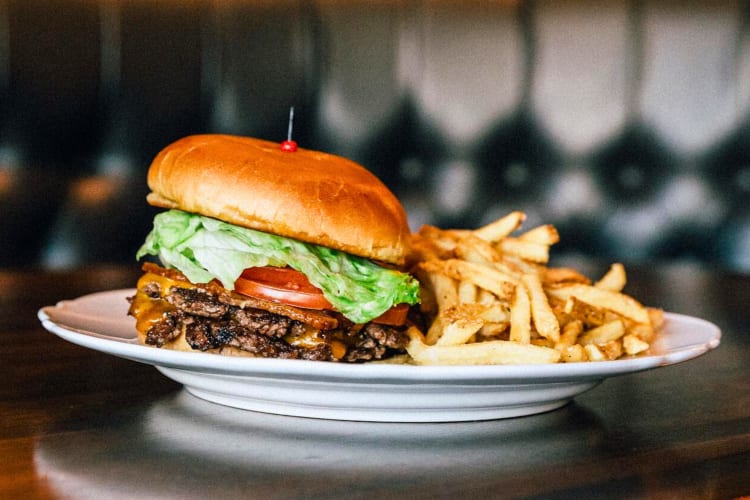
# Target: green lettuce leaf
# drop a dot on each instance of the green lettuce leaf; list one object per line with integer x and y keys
{"x": 203, "y": 248}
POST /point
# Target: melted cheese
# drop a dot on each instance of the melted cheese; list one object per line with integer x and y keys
{"x": 164, "y": 283}
{"x": 149, "y": 311}
{"x": 310, "y": 339}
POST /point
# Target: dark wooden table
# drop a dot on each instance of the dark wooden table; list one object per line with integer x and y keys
{"x": 76, "y": 423}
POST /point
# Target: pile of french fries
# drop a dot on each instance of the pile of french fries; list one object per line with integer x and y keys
{"x": 490, "y": 298}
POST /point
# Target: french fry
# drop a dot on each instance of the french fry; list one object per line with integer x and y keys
{"x": 435, "y": 331}
{"x": 490, "y": 330}
{"x": 459, "y": 332}
{"x": 474, "y": 249}
{"x": 593, "y": 353}
{"x": 480, "y": 353}
{"x": 544, "y": 319}
{"x": 617, "y": 302}
{"x": 614, "y": 280}
{"x": 459, "y": 323}
{"x": 612, "y": 349}
{"x": 445, "y": 291}
{"x": 493, "y": 313}
{"x": 489, "y": 298}
{"x": 603, "y": 334}
{"x": 467, "y": 292}
{"x": 422, "y": 249}
{"x": 543, "y": 235}
{"x": 542, "y": 342}
{"x": 441, "y": 242}
{"x": 520, "y": 316}
{"x": 656, "y": 316}
{"x": 554, "y": 276}
{"x": 591, "y": 316}
{"x": 489, "y": 279}
{"x": 645, "y": 333}
{"x": 496, "y": 319}
{"x": 633, "y": 345}
{"x": 502, "y": 227}
{"x": 573, "y": 354}
{"x": 569, "y": 335}
{"x": 528, "y": 250}
{"x": 485, "y": 297}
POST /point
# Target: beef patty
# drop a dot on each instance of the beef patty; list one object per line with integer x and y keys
{"x": 213, "y": 318}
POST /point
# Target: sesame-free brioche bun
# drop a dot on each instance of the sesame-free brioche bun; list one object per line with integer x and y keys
{"x": 307, "y": 195}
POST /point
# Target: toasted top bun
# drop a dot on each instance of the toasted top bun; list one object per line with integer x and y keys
{"x": 306, "y": 195}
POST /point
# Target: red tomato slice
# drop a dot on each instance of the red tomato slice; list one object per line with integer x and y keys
{"x": 281, "y": 284}
{"x": 289, "y": 286}
{"x": 395, "y": 316}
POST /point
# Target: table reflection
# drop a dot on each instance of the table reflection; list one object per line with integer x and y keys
{"x": 184, "y": 447}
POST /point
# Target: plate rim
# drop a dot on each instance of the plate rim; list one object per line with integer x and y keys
{"x": 369, "y": 372}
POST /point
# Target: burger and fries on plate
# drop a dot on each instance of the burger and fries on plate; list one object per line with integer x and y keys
{"x": 291, "y": 253}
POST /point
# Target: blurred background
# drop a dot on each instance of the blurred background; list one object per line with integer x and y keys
{"x": 623, "y": 123}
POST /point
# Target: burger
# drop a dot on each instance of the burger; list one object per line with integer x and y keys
{"x": 267, "y": 250}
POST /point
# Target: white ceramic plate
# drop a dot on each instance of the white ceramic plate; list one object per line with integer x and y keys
{"x": 365, "y": 392}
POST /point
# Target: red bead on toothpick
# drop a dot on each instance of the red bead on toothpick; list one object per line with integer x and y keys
{"x": 289, "y": 145}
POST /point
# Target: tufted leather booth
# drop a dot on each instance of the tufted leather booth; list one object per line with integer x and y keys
{"x": 624, "y": 123}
